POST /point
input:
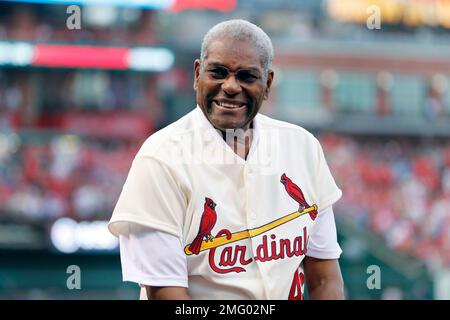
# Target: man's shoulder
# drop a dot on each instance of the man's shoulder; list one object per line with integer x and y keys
{"x": 165, "y": 137}
{"x": 284, "y": 127}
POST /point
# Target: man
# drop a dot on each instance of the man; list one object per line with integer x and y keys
{"x": 226, "y": 203}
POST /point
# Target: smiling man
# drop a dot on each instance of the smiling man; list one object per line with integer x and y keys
{"x": 261, "y": 226}
{"x": 232, "y": 79}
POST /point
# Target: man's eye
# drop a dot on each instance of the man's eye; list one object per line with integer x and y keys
{"x": 218, "y": 73}
{"x": 246, "y": 77}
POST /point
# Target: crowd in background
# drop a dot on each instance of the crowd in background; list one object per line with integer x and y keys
{"x": 69, "y": 176}
{"x": 397, "y": 188}
{"x": 28, "y": 22}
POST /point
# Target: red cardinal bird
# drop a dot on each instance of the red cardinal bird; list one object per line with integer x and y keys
{"x": 296, "y": 193}
{"x": 207, "y": 222}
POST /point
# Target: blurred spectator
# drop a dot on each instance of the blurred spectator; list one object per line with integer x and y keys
{"x": 434, "y": 105}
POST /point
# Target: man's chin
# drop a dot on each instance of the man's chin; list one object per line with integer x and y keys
{"x": 229, "y": 125}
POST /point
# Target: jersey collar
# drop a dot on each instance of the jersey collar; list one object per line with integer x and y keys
{"x": 203, "y": 122}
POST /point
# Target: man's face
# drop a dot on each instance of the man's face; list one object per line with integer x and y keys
{"x": 231, "y": 86}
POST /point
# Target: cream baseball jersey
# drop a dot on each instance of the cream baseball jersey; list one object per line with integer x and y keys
{"x": 244, "y": 224}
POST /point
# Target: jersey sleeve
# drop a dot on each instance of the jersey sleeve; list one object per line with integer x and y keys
{"x": 322, "y": 242}
{"x": 152, "y": 258}
{"x": 151, "y": 197}
{"x": 328, "y": 191}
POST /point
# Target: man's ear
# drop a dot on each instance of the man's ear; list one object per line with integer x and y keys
{"x": 196, "y": 72}
{"x": 269, "y": 80}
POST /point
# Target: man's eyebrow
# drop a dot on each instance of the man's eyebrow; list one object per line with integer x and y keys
{"x": 218, "y": 64}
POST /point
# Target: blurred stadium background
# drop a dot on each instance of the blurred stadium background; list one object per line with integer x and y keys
{"x": 75, "y": 105}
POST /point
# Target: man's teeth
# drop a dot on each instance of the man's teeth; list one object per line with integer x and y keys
{"x": 228, "y": 105}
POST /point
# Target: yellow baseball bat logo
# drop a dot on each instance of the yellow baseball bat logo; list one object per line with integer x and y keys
{"x": 250, "y": 233}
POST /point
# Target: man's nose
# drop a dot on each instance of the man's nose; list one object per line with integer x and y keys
{"x": 230, "y": 86}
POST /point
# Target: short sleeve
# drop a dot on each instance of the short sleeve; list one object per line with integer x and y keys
{"x": 153, "y": 258}
{"x": 150, "y": 197}
{"x": 322, "y": 242}
{"x": 328, "y": 191}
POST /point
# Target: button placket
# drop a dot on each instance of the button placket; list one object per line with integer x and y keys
{"x": 252, "y": 223}
{"x": 249, "y": 172}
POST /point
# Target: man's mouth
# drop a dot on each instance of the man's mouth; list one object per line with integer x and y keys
{"x": 229, "y": 105}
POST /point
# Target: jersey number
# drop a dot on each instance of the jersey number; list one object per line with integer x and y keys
{"x": 296, "y": 287}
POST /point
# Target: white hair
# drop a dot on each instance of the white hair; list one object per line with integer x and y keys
{"x": 243, "y": 30}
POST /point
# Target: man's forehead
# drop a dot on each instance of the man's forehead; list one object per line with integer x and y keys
{"x": 226, "y": 50}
